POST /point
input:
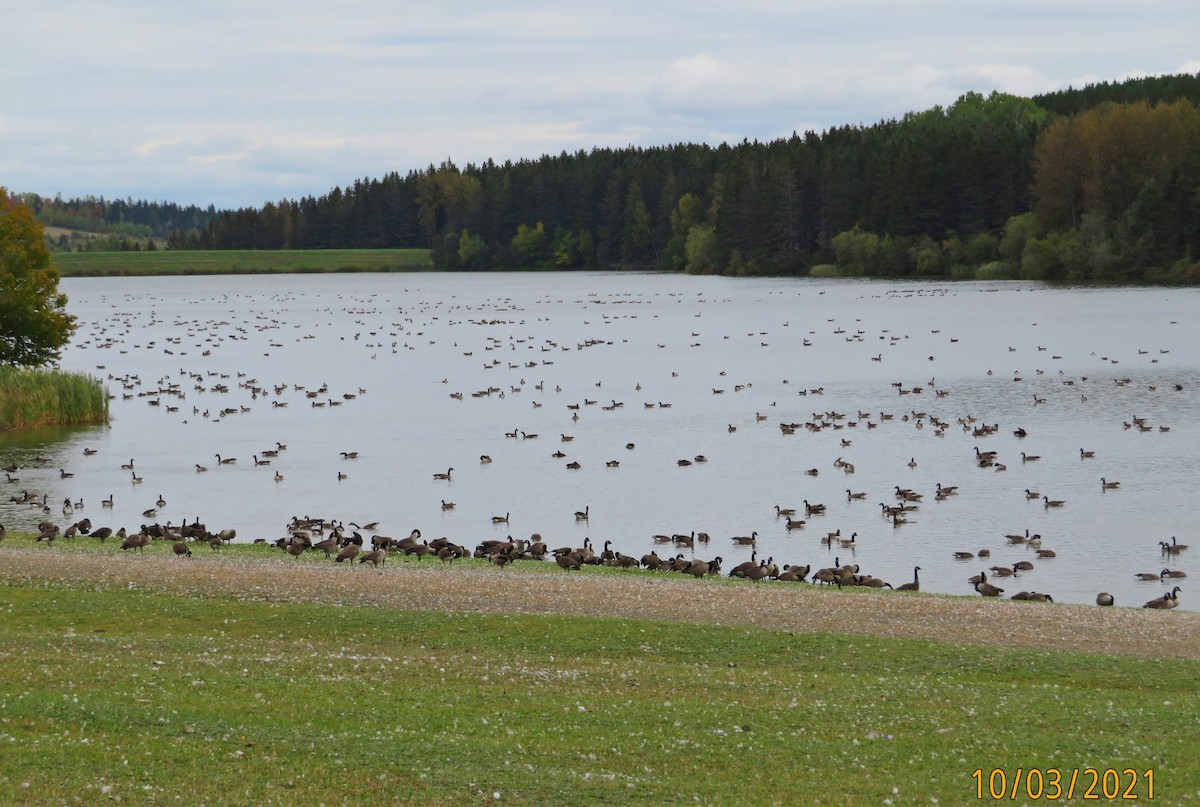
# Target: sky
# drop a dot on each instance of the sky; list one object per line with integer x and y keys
{"x": 239, "y": 103}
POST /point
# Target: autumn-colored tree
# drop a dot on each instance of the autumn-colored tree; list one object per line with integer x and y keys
{"x": 34, "y": 324}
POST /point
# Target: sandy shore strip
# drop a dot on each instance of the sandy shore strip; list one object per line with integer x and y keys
{"x": 636, "y": 595}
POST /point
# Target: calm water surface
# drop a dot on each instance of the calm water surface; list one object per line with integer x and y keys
{"x": 678, "y": 366}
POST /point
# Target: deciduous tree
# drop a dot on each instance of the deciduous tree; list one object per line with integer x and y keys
{"x": 34, "y": 323}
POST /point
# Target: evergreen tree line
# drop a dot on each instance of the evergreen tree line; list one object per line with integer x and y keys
{"x": 1101, "y": 183}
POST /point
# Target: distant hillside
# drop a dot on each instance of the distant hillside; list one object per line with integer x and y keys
{"x": 1083, "y": 185}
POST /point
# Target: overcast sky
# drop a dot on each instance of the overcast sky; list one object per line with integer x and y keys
{"x": 239, "y": 103}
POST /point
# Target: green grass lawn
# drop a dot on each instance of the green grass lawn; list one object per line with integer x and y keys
{"x": 110, "y": 691}
{"x": 194, "y": 262}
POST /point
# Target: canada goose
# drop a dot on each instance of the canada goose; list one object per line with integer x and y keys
{"x": 1029, "y": 457}
{"x": 1003, "y": 571}
{"x": 963, "y": 555}
{"x": 795, "y": 523}
{"x": 683, "y": 463}
{"x": 200, "y": 468}
{"x": 1018, "y": 539}
{"x": 500, "y": 519}
{"x": 135, "y": 478}
{"x": 445, "y": 475}
{"x": 612, "y": 464}
{"x": 813, "y": 509}
{"x": 1032, "y": 596}
{"x": 1168, "y": 600}
{"x": 747, "y": 540}
{"x": 348, "y": 552}
{"x": 161, "y": 502}
{"x": 258, "y": 462}
{"x": 349, "y": 455}
{"x": 1173, "y": 573}
{"x": 447, "y": 505}
{"x": 278, "y": 476}
{"x": 946, "y": 490}
{"x": 912, "y": 462}
{"x": 180, "y": 548}
{"x": 484, "y": 459}
{"x": 1053, "y": 502}
{"x": 226, "y": 461}
{"x": 986, "y": 589}
{"x": 850, "y": 495}
{"x": 566, "y": 561}
{"x": 1103, "y": 598}
{"x": 1148, "y": 576}
{"x": 573, "y": 466}
{"x": 342, "y": 476}
{"x": 149, "y": 513}
{"x": 1087, "y": 455}
{"x": 1046, "y": 553}
{"x": 1106, "y": 485}
{"x": 128, "y": 466}
{"x": 1023, "y": 565}
{"x": 582, "y": 515}
{"x": 64, "y": 474}
{"x": 376, "y": 557}
{"x": 851, "y": 542}
{"x": 1032, "y": 494}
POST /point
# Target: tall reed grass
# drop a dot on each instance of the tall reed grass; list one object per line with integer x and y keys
{"x": 33, "y": 399}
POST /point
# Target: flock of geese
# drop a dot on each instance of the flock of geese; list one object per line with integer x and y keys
{"x": 174, "y": 393}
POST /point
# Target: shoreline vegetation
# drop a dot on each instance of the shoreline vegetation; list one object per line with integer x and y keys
{"x": 253, "y": 676}
{"x": 38, "y": 398}
{"x": 234, "y": 262}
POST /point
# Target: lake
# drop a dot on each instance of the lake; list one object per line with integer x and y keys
{"x": 419, "y": 373}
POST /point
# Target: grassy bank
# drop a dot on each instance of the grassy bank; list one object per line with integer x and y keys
{"x": 101, "y": 264}
{"x": 32, "y": 399}
{"x": 255, "y": 695}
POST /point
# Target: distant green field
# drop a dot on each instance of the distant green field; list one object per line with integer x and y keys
{"x": 241, "y": 262}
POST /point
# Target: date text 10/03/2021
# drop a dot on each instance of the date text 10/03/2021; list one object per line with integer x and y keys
{"x": 1057, "y": 783}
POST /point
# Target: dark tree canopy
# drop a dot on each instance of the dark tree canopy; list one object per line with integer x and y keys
{"x": 34, "y": 324}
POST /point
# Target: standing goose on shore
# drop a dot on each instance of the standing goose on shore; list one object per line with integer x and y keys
{"x": 985, "y": 588}
{"x": 915, "y": 585}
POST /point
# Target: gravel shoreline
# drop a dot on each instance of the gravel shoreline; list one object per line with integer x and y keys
{"x": 797, "y": 608}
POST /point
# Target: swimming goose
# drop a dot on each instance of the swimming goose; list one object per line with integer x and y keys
{"x": 484, "y": 459}
{"x": 1086, "y": 455}
{"x": 445, "y": 475}
{"x": 500, "y": 519}
{"x": 1053, "y": 502}
{"x": 1106, "y": 485}
{"x": 1029, "y": 457}
{"x": 583, "y": 515}
{"x": 226, "y": 461}
{"x": 447, "y": 505}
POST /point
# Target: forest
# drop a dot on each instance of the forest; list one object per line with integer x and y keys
{"x": 1099, "y": 184}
